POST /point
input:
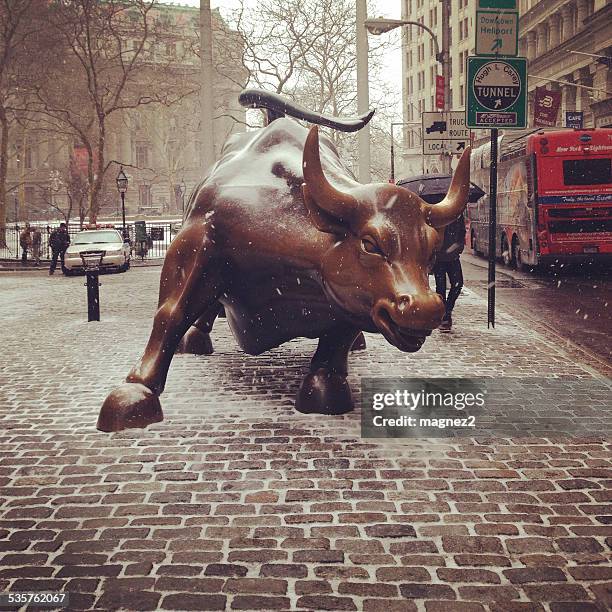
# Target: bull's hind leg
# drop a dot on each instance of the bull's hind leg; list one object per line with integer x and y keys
{"x": 325, "y": 389}
{"x": 190, "y": 286}
{"x": 196, "y": 340}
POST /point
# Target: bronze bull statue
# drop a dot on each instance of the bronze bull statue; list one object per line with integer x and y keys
{"x": 284, "y": 239}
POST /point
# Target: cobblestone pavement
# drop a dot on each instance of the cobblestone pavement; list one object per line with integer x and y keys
{"x": 237, "y": 502}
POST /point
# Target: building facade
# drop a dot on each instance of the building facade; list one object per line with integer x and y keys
{"x": 159, "y": 146}
{"x": 565, "y": 41}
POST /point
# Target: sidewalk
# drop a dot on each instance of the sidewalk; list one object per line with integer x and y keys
{"x": 238, "y": 502}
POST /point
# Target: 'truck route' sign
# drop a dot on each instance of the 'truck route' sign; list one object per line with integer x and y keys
{"x": 444, "y": 132}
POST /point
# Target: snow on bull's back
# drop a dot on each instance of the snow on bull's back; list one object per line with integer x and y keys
{"x": 270, "y": 158}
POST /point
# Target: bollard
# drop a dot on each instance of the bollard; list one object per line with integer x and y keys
{"x": 91, "y": 264}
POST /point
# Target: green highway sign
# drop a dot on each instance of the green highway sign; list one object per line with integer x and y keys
{"x": 498, "y": 5}
{"x": 496, "y": 92}
{"x": 496, "y": 33}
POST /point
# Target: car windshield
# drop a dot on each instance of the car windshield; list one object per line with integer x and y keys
{"x": 97, "y": 237}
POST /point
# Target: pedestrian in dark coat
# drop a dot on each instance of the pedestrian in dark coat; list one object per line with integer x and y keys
{"x": 448, "y": 264}
{"x": 59, "y": 240}
{"x": 36, "y": 244}
{"x": 25, "y": 242}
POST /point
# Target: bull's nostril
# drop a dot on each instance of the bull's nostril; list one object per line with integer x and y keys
{"x": 404, "y": 302}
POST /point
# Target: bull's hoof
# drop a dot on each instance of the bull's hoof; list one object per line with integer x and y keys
{"x": 359, "y": 344}
{"x": 324, "y": 393}
{"x": 195, "y": 342}
{"x": 129, "y": 405}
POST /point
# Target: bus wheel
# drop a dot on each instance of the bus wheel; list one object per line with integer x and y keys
{"x": 506, "y": 253}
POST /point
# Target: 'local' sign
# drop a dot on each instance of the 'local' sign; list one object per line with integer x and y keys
{"x": 444, "y": 132}
{"x": 497, "y": 92}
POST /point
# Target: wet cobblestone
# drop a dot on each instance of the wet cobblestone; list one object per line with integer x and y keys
{"x": 237, "y": 502}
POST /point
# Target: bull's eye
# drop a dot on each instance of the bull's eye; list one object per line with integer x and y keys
{"x": 369, "y": 246}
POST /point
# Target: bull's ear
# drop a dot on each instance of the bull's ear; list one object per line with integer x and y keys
{"x": 329, "y": 209}
{"x": 321, "y": 219}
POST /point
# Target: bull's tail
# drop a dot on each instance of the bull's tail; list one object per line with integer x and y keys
{"x": 280, "y": 106}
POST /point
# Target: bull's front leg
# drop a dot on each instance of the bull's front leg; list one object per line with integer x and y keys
{"x": 191, "y": 283}
{"x": 325, "y": 389}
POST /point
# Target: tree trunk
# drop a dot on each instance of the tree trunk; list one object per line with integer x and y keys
{"x": 98, "y": 178}
{"x": 4, "y": 134}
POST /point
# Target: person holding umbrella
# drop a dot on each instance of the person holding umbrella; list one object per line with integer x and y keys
{"x": 433, "y": 188}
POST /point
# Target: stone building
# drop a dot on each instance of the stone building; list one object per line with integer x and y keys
{"x": 159, "y": 145}
{"x": 564, "y": 41}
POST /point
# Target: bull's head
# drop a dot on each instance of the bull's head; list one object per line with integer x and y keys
{"x": 386, "y": 238}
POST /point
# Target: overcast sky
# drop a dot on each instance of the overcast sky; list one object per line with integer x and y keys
{"x": 385, "y": 8}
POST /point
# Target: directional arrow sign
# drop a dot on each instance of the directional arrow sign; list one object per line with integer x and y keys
{"x": 443, "y": 132}
{"x": 496, "y": 33}
{"x": 496, "y": 92}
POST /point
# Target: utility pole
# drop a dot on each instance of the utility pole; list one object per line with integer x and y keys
{"x": 207, "y": 133}
{"x": 446, "y": 8}
{"x": 363, "y": 93}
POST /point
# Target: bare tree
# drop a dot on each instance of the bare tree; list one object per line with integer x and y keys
{"x": 114, "y": 62}
{"x": 305, "y": 49}
{"x": 20, "y": 27}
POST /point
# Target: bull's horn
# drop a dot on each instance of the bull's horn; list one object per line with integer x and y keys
{"x": 340, "y": 205}
{"x": 451, "y": 207}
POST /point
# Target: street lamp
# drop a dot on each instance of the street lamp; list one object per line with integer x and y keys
{"x": 381, "y": 25}
{"x": 122, "y": 185}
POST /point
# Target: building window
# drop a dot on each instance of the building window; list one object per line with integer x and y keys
{"x": 29, "y": 195}
{"x": 142, "y": 155}
{"x": 31, "y": 156}
{"x": 144, "y": 196}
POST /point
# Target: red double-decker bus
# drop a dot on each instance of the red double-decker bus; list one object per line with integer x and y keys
{"x": 554, "y": 197}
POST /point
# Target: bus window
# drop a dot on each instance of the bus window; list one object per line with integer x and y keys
{"x": 587, "y": 171}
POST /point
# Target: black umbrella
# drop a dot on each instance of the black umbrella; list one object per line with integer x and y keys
{"x": 433, "y": 187}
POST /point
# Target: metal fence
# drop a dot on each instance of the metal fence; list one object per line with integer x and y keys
{"x": 159, "y": 235}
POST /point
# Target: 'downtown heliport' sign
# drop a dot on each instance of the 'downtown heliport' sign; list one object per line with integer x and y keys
{"x": 497, "y": 92}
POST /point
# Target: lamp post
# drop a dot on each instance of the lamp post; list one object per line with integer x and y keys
{"x": 363, "y": 92}
{"x": 382, "y": 25}
{"x": 122, "y": 185}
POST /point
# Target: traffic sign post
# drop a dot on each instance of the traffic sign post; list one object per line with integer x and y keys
{"x": 496, "y": 97}
{"x": 497, "y": 92}
{"x": 444, "y": 132}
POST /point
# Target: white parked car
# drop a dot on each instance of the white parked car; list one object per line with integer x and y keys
{"x": 116, "y": 252}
